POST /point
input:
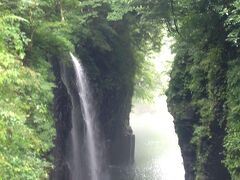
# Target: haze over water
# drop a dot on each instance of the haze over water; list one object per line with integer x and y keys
{"x": 157, "y": 154}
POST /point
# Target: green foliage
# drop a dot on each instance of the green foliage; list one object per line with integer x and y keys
{"x": 26, "y": 121}
{"x": 53, "y": 38}
{"x": 232, "y": 22}
{"x": 179, "y": 89}
{"x": 147, "y": 82}
{"x": 231, "y": 142}
{"x": 11, "y": 37}
{"x": 204, "y": 71}
{"x": 119, "y": 8}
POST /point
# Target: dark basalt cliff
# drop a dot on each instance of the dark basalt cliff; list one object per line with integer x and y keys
{"x": 62, "y": 113}
{"x": 111, "y": 74}
{"x": 198, "y": 99}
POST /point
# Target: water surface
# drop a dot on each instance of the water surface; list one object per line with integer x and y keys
{"x": 157, "y": 154}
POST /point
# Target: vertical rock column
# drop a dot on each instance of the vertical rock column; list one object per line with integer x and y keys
{"x": 62, "y": 115}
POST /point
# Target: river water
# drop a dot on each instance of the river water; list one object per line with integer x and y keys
{"x": 157, "y": 154}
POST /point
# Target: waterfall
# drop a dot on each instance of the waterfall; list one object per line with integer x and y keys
{"x": 86, "y": 148}
{"x": 88, "y": 117}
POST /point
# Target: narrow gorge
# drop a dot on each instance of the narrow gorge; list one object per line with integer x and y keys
{"x": 66, "y": 116}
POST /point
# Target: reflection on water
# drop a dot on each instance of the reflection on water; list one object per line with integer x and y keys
{"x": 157, "y": 154}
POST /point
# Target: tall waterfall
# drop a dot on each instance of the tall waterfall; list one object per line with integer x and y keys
{"x": 85, "y": 149}
{"x": 88, "y": 117}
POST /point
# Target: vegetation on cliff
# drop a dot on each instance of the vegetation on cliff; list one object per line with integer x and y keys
{"x": 203, "y": 94}
{"x": 106, "y": 34}
{"x": 113, "y": 38}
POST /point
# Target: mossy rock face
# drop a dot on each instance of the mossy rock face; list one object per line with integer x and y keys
{"x": 197, "y": 100}
{"x": 184, "y": 121}
{"x": 111, "y": 74}
{"x": 62, "y": 114}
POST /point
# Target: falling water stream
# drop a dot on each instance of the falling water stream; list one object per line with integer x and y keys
{"x": 88, "y": 117}
{"x": 85, "y": 148}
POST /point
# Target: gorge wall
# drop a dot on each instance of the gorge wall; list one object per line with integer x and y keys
{"x": 111, "y": 74}
{"x": 201, "y": 94}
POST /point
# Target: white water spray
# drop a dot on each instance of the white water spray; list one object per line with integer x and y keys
{"x": 91, "y": 135}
